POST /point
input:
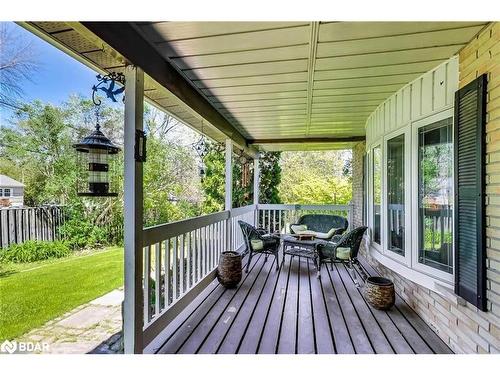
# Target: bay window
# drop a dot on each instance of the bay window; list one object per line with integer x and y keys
{"x": 411, "y": 196}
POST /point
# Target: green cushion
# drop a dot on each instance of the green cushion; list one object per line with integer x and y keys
{"x": 298, "y": 229}
{"x": 343, "y": 253}
{"x": 257, "y": 244}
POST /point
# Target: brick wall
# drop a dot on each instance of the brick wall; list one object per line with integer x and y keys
{"x": 358, "y": 152}
{"x": 461, "y": 325}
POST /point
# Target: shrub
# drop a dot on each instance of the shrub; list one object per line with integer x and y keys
{"x": 32, "y": 251}
{"x": 80, "y": 234}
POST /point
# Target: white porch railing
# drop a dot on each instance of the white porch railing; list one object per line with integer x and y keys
{"x": 278, "y": 217}
{"x": 180, "y": 258}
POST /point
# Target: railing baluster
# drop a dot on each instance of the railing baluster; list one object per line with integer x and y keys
{"x": 188, "y": 279}
{"x": 205, "y": 250}
{"x": 182, "y": 264}
{"x": 175, "y": 270}
{"x": 198, "y": 254}
{"x": 168, "y": 274}
{"x": 147, "y": 285}
{"x": 212, "y": 247}
{"x": 157, "y": 278}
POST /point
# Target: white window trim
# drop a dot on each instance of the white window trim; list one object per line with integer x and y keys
{"x": 416, "y": 265}
{"x": 10, "y": 192}
{"x": 406, "y": 259}
{"x": 377, "y": 246}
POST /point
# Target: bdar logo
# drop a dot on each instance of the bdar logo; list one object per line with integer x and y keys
{"x": 8, "y": 346}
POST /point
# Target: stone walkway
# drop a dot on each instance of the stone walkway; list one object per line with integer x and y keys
{"x": 94, "y": 327}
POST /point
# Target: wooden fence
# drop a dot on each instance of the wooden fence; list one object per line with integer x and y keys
{"x": 18, "y": 225}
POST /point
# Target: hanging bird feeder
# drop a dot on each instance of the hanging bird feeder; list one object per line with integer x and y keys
{"x": 96, "y": 153}
{"x": 96, "y": 156}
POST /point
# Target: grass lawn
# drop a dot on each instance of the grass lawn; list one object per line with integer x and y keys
{"x": 32, "y": 294}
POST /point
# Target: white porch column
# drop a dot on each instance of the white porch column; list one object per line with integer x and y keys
{"x": 229, "y": 190}
{"x": 133, "y": 213}
{"x": 256, "y": 188}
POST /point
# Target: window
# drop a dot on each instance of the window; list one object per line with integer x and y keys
{"x": 6, "y": 192}
{"x": 435, "y": 200}
{"x": 396, "y": 195}
{"x": 1, "y": 192}
{"x": 377, "y": 192}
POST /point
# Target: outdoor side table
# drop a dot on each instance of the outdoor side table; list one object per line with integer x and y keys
{"x": 301, "y": 248}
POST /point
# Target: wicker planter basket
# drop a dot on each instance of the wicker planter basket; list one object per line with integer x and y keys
{"x": 229, "y": 269}
{"x": 379, "y": 292}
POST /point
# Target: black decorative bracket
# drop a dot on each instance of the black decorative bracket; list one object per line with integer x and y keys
{"x": 107, "y": 84}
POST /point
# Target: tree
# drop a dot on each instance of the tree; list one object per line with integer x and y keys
{"x": 18, "y": 62}
{"x": 316, "y": 177}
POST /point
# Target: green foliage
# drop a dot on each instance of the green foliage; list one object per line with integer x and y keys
{"x": 33, "y": 251}
{"x": 270, "y": 177}
{"x": 316, "y": 177}
{"x": 214, "y": 182}
{"x": 80, "y": 232}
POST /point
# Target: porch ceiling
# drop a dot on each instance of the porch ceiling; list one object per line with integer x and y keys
{"x": 283, "y": 80}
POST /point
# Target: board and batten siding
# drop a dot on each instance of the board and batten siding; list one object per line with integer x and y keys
{"x": 430, "y": 93}
{"x": 464, "y": 327}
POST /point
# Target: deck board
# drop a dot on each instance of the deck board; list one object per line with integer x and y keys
{"x": 305, "y": 325}
{"x": 289, "y": 310}
{"x": 288, "y": 331}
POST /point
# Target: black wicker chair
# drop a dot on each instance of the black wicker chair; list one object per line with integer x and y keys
{"x": 342, "y": 249}
{"x": 258, "y": 241}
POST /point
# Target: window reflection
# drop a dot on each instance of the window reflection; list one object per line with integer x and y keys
{"x": 435, "y": 200}
{"x": 396, "y": 194}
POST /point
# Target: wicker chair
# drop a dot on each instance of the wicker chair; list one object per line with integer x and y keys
{"x": 342, "y": 249}
{"x": 323, "y": 224}
{"x": 258, "y": 241}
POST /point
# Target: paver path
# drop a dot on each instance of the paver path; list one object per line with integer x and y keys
{"x": 94, "y": 327}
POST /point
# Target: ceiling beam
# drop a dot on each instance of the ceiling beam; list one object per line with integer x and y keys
{"x": 124, "y": 38}
{"x": 360, "y": 138}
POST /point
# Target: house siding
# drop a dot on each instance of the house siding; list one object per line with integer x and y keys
{"x": 461, "y": 325}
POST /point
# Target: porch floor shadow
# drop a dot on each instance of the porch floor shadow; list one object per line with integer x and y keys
{"x": 290, "y": 311}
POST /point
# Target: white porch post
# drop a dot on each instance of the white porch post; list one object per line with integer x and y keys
{"x": 229, "y": 190}
{"x": 256, "y": 188}
{"x": 133, "y": 213}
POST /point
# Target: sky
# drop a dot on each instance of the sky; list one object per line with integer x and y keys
{"x": 59, "y": 75}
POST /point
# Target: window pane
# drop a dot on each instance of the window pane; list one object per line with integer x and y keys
{"x": 396, "y": 194}
{"x": 435, "y": 183}
{"x": 6, "y": 192}
{"x": 377, "y": 192}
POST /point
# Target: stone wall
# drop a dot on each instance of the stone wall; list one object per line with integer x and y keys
{"x": 461, "y": 325}
{"x": 358, "y": 151}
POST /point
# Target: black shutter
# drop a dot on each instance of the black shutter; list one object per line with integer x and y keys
{"x": 470, "y": 234}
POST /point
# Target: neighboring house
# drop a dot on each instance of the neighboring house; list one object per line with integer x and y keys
{"x": 11, "y": 192}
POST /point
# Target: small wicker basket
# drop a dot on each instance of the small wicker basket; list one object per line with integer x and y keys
{"x": 229, "y": 269}
{"x": 379, "y": 292}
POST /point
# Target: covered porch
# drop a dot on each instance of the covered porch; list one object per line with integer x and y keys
{"x": 258, "y": 86}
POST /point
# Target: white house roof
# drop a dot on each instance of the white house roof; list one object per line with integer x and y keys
{"x": 9, "y": 182}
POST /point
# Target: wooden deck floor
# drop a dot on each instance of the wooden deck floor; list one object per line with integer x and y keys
{"x": 291, "y": 311}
